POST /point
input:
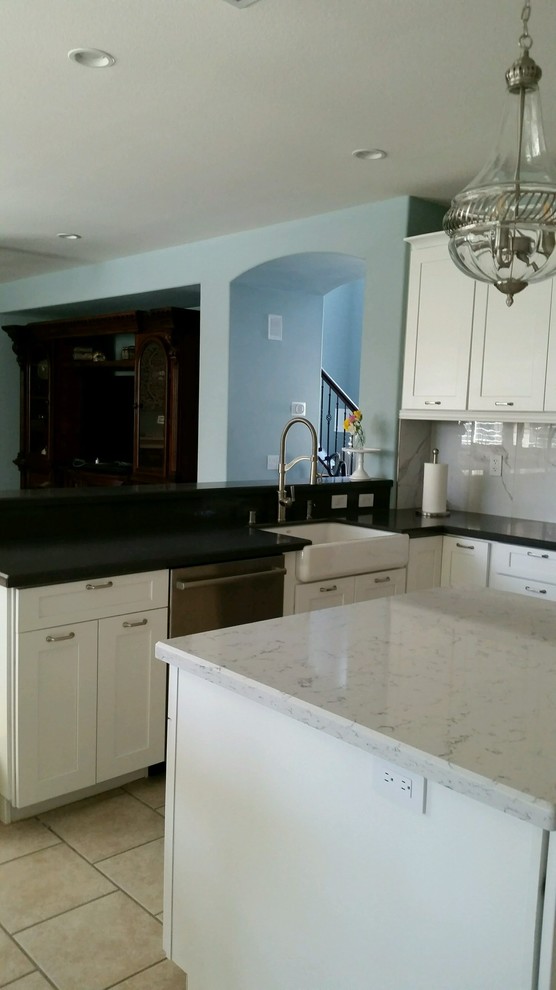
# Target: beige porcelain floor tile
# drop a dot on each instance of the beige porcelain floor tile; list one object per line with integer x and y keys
{"x": 164, "y": 976}
{"x": 24, "y": 837}
{"x": 44, "y": 883}
{"x": 150, "y": 790}
{"x": 140, "y": 872}
{"x": 35, "y": 981}
{"x": 102, "y": 828}
{"x": 97, "y": 945}
{"x": 13, "y": 962}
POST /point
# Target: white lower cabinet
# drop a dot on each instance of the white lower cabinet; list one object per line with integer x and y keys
{"x": 347, "y": 590}
{"x": 425, "y": 563}
{"x": 324, "y": 594}
{"x": 131, "y": 715}
{"x": 56, "y": 703}
{"x": 464, "y": 562}
{"x": 89, "y": 697}
{"x": 524, "y": 570}
{"x": 380, "y": 585}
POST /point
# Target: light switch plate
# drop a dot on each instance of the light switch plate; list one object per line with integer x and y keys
{"x": 274, "y": 327}
{"x": 299, "y": 408}
{"x": 272, "y": 462}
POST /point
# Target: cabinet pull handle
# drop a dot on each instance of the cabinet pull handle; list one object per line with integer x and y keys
{"x": 537, "y": 591}
{"x": 58, "y": 639}
{"x": 503, "y": 403}
{"x": 229, "y": 579}
{"x": 381, "y": 580}
{"x": 431, "y": 402}
{"x": 97, "y": 587}
{"x": 465, "y": 546}
{"x": 331, "y": 587}
{"x": 130, "y": 625}
{"x": 540, "y": 556}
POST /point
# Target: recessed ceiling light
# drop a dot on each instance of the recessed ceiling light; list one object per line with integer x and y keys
{"x": 370, "y": 154}
{"x": 69, "y": 237}
{"x": 92, "y": 58}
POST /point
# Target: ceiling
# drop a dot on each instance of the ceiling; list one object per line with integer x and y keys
{"x": 216, "y": 119}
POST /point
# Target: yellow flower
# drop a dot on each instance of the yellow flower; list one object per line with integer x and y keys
{"x": 358, "y": 414}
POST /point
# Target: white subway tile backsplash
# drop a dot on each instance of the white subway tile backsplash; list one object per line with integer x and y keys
{"x": 526, "y": 488}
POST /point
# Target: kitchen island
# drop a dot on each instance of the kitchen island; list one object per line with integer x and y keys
{"x": 295, "y": 857}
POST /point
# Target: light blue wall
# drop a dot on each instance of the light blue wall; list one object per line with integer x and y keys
{"x": 342, "y": 324}
{"x": 266, "y": 376}
{"x": 373, "y": 232}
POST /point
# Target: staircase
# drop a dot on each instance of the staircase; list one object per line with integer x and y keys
{"x": 335, "y": 406}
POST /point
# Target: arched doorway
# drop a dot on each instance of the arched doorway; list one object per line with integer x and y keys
{"x": 319, "y": 298}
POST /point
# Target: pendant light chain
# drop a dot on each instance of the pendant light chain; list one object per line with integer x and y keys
{"x": 526, "y": 40}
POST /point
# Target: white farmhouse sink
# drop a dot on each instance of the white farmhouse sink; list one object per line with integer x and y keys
{"x": 338, "y": 549}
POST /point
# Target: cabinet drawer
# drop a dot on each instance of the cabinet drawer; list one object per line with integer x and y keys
{"x": 324, "y": 594}
{"x": 96, "y": 598}
{"x": 518, "y": 561}
{"x": 524, "y": 586}
{"x": 382, "y": 584}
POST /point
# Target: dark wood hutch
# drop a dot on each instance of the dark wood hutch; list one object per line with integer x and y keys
{"x": 109, "y": 400}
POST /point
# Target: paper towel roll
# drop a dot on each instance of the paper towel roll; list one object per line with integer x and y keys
{"x": 435, "y": 487}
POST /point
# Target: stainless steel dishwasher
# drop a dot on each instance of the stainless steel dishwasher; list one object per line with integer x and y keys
{"x": 212, "y": 596}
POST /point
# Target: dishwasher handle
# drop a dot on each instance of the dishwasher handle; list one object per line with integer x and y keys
{"x": 229, "y": 579}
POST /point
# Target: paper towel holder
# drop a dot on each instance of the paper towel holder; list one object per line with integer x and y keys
{"x": 433, "y": 515}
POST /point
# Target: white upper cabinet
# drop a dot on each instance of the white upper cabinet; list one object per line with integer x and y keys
{"x": 510, "y": 347}
{"x": 439, "y": 324}
{"x": 550, "y": 384}
{"x": 466, "y": 350}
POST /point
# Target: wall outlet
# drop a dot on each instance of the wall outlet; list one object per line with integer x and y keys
{"x": 407, "y": 789}
{"x": 272, "y": 462}
{"x": 366, "y": 500}
{"x": 339, "y": 502}
{"x": 299, "y": 408}
{"x": 495, "y": 465}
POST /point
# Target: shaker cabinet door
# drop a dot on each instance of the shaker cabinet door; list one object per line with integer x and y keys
{"x": 464, "y": 562}
{"x": 438, "y": 336}
{"x": 56, "y": 702}
{"x": 425, "y": 563}
{"x": 131, "y": 693}
{"x": 509, "y": 350}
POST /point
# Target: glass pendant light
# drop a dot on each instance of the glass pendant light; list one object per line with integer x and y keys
{"x": 502, "y": 226}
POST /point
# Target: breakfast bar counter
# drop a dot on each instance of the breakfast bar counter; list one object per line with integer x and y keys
{"x": 289, "y": 862}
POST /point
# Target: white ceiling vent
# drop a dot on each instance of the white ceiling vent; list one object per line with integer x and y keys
{"x": 241, "y": 3}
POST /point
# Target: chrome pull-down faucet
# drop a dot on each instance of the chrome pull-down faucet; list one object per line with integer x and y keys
{"x": 283, "y": 499}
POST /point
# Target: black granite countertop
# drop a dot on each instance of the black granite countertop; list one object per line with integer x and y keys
{"x": 46, "y": 561}
{"x": 55, "y": 537}
{"x": 503, "y": 529}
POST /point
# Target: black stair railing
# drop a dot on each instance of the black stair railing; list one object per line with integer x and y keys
{"x": 335, "y": 406}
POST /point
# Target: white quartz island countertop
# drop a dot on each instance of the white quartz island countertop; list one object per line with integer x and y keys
{"x": 458, "y": 685}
